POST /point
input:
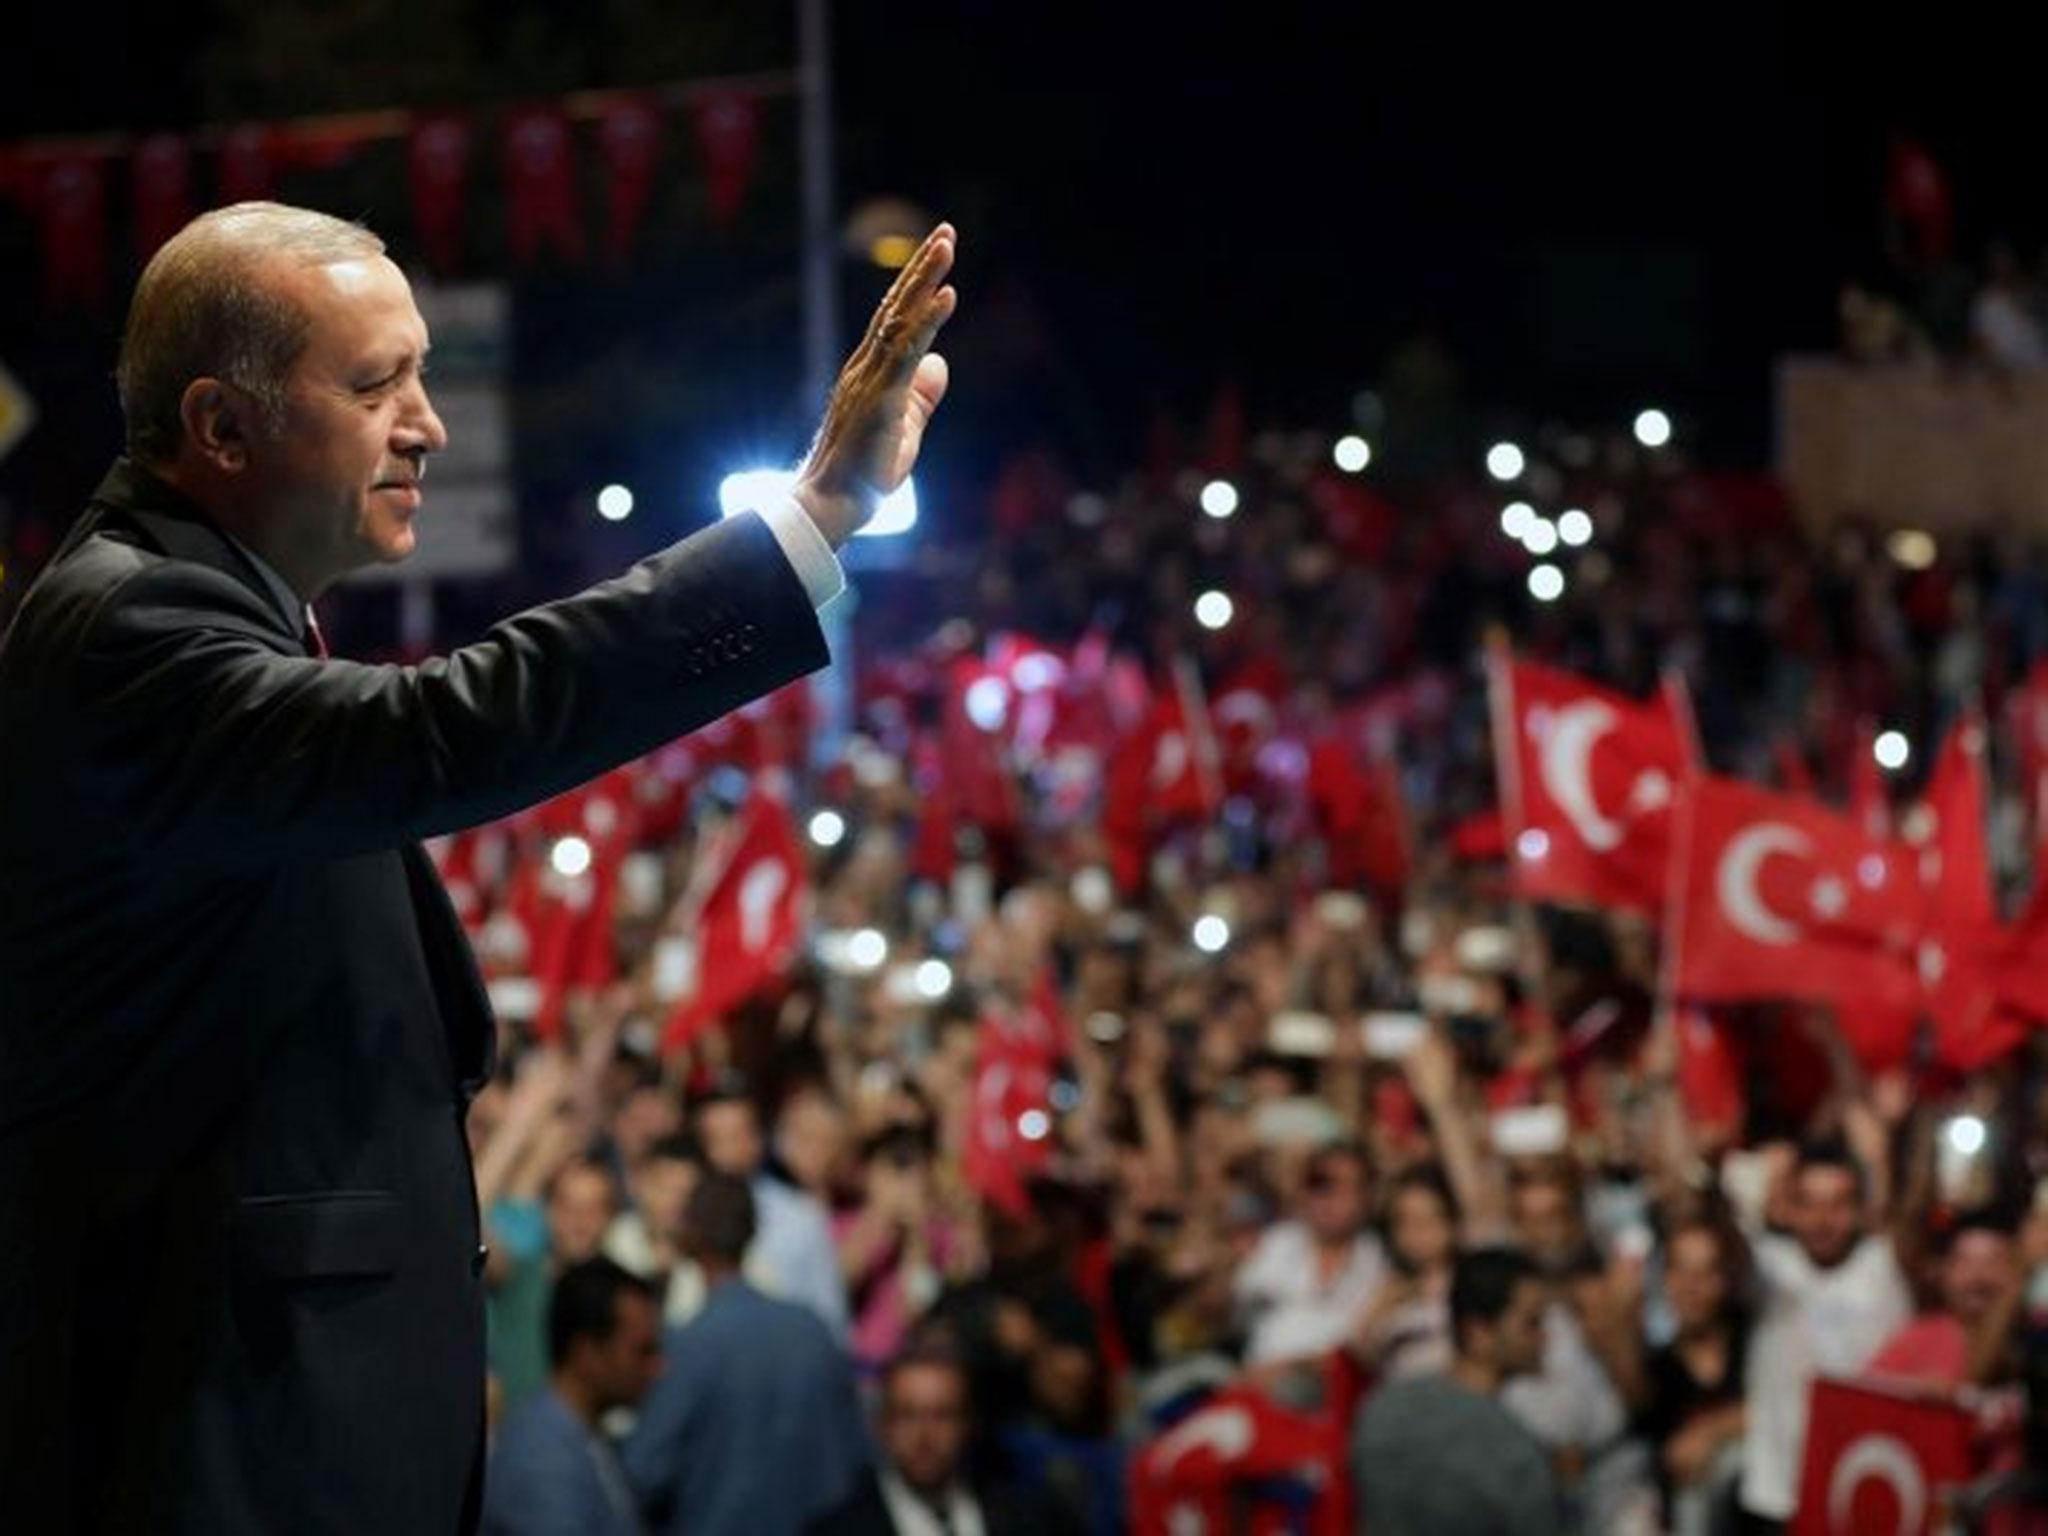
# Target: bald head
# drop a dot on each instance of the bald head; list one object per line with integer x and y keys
{"x": 217, "y": 301}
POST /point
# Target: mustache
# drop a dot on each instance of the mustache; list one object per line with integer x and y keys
{"x": 413, "y": 475}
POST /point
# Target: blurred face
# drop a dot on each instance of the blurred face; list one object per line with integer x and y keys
{"x": 647, "y": 1115}
{"x": 621, "y": 1369}
{"x": 1518, "y": 1342}
{"x": 1545, "y": 1220}
{"x": 342, "y": 475}
{"x": 812, "y": 1140}
{"x": 1827, "y": 1213}
{"x": 1979, "y": 1268}
{"x": 1333, "y": 1198}
{"x": 661, "y": 1189}
{"x": 731, "y": 1135}
{"x": 924, "y": 1425}
{"x": 579, "y": 1209}
{"x": 1420, "y": 1229}
{"x": 1693, "y": 1279}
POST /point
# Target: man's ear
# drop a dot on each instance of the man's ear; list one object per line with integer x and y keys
{"x": 216, "y": 424}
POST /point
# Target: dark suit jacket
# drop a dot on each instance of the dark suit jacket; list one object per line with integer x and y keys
{"x": 1005, "y": 1511}
{"x": 240, "y": 1025}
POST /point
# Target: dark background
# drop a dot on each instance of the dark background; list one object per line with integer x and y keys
{"x": 1593, "y": 206}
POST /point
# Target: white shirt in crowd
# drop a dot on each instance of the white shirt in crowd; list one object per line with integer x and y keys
{"x": 912, "y": 1516}
{"x": 1570, "y": 1403}
{"x": 1291, "y": 1313}
{"x": 1814, "y": 1322}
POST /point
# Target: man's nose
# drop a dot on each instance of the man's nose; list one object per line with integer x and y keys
{"x": 419, "y": 427}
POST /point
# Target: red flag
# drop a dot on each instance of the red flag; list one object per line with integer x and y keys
{"x": 1358, "y": 811}
{"x": 1878, "y": 1460}
{"x": 68, "y": 194}
{"x": 1009, "y": 1119}
{"x": 1868, "y": 802}
{"x": 1165, "y": 770}
{"x": 728, "y": 127}
{"x": 244, "y": 174}
{"x": 1709, "y": 1073}
{"x": 162, "y": 169}
{"x": 751, "y": 920}
{"x": 1794, "y": 776}
{"x": 1588, "y": 779}
{"x": 540, "y": 186}
{"x": 1243, "y": 1450}
{"x": 1916, "y": 195}
{"x": 1784, "y": 898}
{"x": 629, "y": 139}
{"x": 437, "y": 165}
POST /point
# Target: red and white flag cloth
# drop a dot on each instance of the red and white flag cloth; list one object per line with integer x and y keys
{"x": 1010, "y": 1110}
{"x": 1880, "y": 1461}
{"x": 751, "y": 919}
{"x": 1778, "y": 897}
{"x": 1588, "y": 778}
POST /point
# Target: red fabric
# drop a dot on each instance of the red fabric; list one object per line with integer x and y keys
{"x": 1013, "y": 1070}
{"x": 629, "y": 140}
{"x": 728, "y": 125}
{"x": 162, "y": 169}
{"x": 1358, "y": 811}
{"x": 1785, "y": 898}
{"x": 437, "y": 166}
{"x": 1916, "y": 194}
{"x": 1709, "y": 1072}
{"x": 68, "y": 195}
{"x": 244, "y": 173}
{"x": 1165, "y": 770}
{"x": 1794, "y": 777}
{"x": 1876, "y": 1459}
{"x": 1188, "y": 1478}
{"x": 1588, "y": 779}
{"x": 1868, "y": 802}
{"x": 2027, "y": 716}
{"x": 751, "y": 921}
{"x": 1933, "y": 1349}
{"x": 542, "y": 211}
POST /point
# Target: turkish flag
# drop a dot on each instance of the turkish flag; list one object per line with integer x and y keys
{"x": 728, "y": 125}
{"x": 541, "y": 203}
{"x": 1960, "y": 940}
{"x": 1877, "y": 1460}
{"x": 1867, "y": 800}
{"x": 1785, "y": 898}
{"x": 245, "y": 173}
{"x": 1710, "y": 1070}
{"x": 1009, "y": 1113}
{"x": 629, "y": 139}
{"x": 751, "y": 919}
{"x": 437, "y": 167}
{"x": 1165, "y": 770}
{"x": 1358, "y": 810}
{"x": 162, "y": 172}
{"x": 1588, "y": 779}
{"x": 1243, "y": 1449}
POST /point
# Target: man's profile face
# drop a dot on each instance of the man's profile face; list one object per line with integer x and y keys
{"x": 625, "y": 1365}
{"x": 1521, "y": 1331}
{"x": 1979, "y": 1267}
{"x": 1827, "y": 1212}
{"x": 924, "y": 1425}
{"x": 342, "y": 471}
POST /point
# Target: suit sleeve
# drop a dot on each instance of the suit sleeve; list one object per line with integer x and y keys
{"x": 227, "y": 752}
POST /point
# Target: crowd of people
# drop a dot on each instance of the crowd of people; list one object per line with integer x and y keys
{"x": 1382, "y": 1147}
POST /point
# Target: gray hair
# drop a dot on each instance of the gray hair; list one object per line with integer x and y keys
{"x": 206, "y": 308}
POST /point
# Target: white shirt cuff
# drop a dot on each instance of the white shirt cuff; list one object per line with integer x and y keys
{"x": 809, "y": 555}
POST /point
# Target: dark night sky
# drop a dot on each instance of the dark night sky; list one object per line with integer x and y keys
{"x": 1595, "y": 204}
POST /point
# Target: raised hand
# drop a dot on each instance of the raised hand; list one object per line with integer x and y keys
{"x": 885, "y": 396}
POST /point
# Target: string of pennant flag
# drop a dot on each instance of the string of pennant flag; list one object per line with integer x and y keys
{"x": 67, "y": 188}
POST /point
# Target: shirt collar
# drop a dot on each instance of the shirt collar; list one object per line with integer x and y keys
{"x": 288, "y": 601}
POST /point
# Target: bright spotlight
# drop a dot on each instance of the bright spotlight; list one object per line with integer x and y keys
{"x": 988, "y": 703}
{"x": 615, "y": 503}
{"x": 1219, "y": 498}
{"x": 1034, "y": 1125}
{"x": 1912, "y": 548}
{"x": 827, "y": 829}
{"x": 570, "y": 856}
{"x": 934, "y": 979}
{"x": 1540, "y": 537}
{"x": 1213, "y": 610}
{"x": 1504, "y": 461}
{"x": 1546, "y": 583}
{"x": 1533, "y": 844}
{"x": 755, "y": 490}
{"x": 1352, "y": 453}
{"x": 867, "y": 949}
{"x": 1211, "y": 934}
{"x": 1653, "y": 428}
{"x": 1515, "y": 518}
{"x": 1891, "y": 749}
{"x": 1967, "y": 1134}
{"x": 1575, "y": 528}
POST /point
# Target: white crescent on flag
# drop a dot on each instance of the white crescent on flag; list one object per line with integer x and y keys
{"x": 1887, "y": 1458}
{"x": 1565, "y": 761}
{"x": 1227, "y": 1431}
{"x": 1736, "y": 875}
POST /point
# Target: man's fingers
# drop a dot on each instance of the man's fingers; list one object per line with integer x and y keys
{"x": 926, "y": 267}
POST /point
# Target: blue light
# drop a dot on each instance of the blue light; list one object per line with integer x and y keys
{"x": 752, "y": 490}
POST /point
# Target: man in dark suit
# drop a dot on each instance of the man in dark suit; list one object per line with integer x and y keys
{"x": 239, "y": 1023}
{"x": 923, "y": 1487}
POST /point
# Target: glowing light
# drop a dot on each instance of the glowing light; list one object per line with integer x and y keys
{"x": 1504, "y": 461}
{"x": 934, "y": 979}
{"x": 755, "y": 490}
{"x": 1352, "y": 453}
{"x": 1515, "y": 519}
{"x": 1575, "y": 528}
{"x": 827, "y": 829}
{"x": 615, "y": 503}
{"x": 1892, "y": 750}
{"x": 1219, "y": 498}
{"x": 570, "y": 856}
{"x": 1540, "y": 537}
{"x": 867, "y": 949}
{"x": 1912, "y": 548}
{"x": 1967, "y": 1134}
{"x": 988, "y": 702}
{"x": 1653, "y": 428}
{"x": 1533, "y": 845}
{"x": 892, "y": 251}
{"x": 1546, "y": 583}
{"x": 1213, "y": 610}
{"x": 1211, "y": 934}
{"x": 1034, "y": 1125}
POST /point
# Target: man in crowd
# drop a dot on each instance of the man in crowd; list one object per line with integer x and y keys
{"x": 755, "y": 1424}
{"x": 792, "y": 1256}
{"x": 529, "y": 1255}
{"x": 1305, "y": 1284}
{"x": 1832, "y": 1293}
{"x": 1977, "y": 1266}
{"x": 1439, "y": 1454}
{"x": 922, "y": 1486}
{"x": 552, "y": 1472}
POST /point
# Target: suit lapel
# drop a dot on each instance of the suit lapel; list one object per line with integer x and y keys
{"x": 451, "y": 963}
